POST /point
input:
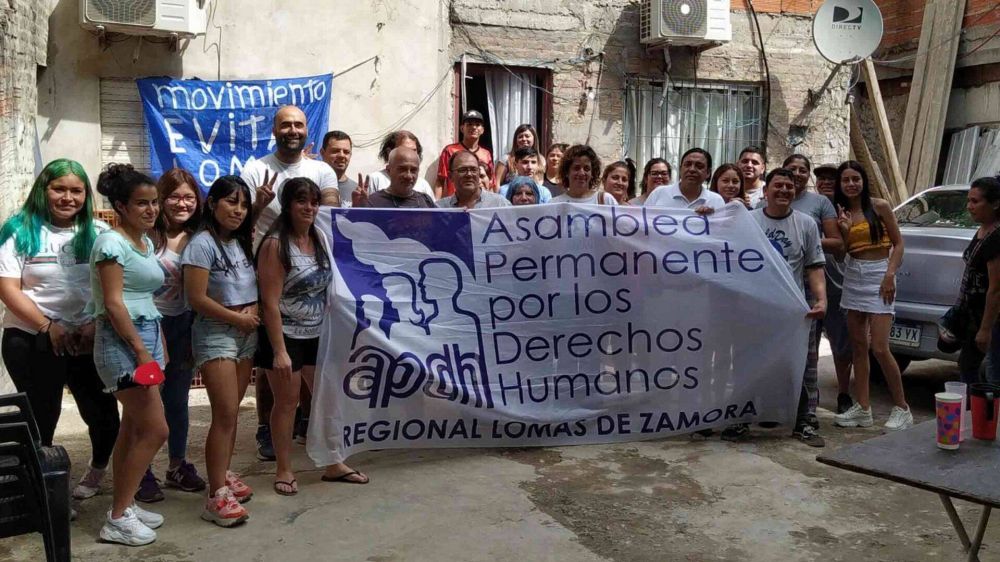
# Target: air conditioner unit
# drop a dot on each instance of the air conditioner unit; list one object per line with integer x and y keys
{"x": 145, "y": 17}
{"x": 684, "y": 22}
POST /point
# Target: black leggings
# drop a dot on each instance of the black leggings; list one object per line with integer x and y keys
{"x": 42, "y": 375}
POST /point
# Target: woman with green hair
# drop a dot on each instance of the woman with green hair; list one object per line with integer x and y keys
{"x": 48, "y": 336}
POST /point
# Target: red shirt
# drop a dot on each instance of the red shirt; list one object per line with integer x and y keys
{"x": 483, "y": 153}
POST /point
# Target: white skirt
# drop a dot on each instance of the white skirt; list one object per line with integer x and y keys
{"x": 862, "y": 281}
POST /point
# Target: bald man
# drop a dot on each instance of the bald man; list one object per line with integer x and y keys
{"x": 268, "y": 175}
{"x": 403, "y": 169}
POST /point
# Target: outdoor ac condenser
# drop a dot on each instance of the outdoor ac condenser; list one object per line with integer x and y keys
{"x": 145, "y": 17}
{"x": 684, "y": 22}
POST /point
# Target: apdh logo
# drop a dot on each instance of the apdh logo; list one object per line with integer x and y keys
{"x": 408, "y": 282}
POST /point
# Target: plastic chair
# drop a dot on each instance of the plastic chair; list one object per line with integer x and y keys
{"x": 34, "y": 481}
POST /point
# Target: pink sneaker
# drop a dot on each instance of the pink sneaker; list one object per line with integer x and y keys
{"x": 239, "y": 488}
{"x": 223, "y": 509}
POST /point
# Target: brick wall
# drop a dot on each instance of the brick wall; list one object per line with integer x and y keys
{"x": 800, "y": 7}
{"x": 543, "y": 30}
{"x": 24, "y": 26}
{"x": 903, "y": 18}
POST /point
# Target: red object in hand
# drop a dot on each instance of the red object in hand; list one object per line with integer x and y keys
{"x": 148, "y": 374}
{"x": 985, "y": 410}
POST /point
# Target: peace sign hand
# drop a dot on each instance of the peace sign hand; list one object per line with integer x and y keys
{"x": 844, "y": 219}
{"x": 359, "y": 197}
{"x": 265, "y": 192}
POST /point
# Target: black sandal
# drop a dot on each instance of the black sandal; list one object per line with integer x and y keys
{"x": 291, "y": 485}
{"x": 345, "y": 478}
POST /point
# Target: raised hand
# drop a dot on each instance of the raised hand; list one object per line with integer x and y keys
{"x": 359, "y": 197}
{"x": 844, "y": 218}
{"x": 265, "y": 192}
{"x": 307, "y": 152}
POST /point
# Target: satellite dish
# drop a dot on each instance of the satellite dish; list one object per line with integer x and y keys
{"x": 847, "y": 30}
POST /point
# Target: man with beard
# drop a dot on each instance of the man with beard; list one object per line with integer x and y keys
{"x": 404, "y": 168}
{"x": 336, "y": 151}
{"x": 266, "y": 177}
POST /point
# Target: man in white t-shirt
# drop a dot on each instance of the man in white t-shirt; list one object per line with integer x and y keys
{"x": 268, "y": 175}
{"x": 689, "y": 192}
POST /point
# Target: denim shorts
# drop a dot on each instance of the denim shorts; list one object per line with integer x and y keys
{"x": 212, "y": 339}
{"x": 114, "y": 359}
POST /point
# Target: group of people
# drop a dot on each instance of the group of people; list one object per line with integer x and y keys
{"x": 237, "y": 279}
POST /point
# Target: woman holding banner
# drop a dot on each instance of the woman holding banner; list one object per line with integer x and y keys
{"x": 294, "y": 268}
{"x": 221, "y": 287}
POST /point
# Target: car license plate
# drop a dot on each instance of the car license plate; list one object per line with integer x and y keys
{"x": 905, "y": 335}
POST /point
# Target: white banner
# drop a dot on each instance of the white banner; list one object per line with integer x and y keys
{"x": 550, "y": 325}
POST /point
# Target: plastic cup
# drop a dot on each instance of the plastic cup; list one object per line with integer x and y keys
{"x": 962, "y": 389}
{"x": 948, "y": 407}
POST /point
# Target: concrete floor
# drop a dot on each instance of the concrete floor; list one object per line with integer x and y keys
{"x": 675, "y": 499}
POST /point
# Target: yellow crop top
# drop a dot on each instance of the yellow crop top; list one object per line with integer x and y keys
{"x": 859, "y": 239}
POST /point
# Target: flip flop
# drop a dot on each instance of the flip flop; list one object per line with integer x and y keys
{"x": 345, "y": 478}
{"x": 291, "y": 484}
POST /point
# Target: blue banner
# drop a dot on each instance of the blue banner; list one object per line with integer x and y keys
{"x": 213, "y": 128}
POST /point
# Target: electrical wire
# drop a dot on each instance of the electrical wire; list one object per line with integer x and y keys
{"x": 767, "y": 75}
{"x": 371, "y": 139}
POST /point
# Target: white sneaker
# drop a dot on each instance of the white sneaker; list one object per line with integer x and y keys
{"x": 90, "y": 484}
{"x": 855, "y": 416}
{"x": 899, "y": 419}
{"x": 127, "y": 530}
{"x": 148, "y": 518}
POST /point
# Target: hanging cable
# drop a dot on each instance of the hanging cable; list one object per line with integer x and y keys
{"x": 767, "y": 75}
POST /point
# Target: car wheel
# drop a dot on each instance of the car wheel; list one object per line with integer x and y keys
{"x": 875, "y": 374}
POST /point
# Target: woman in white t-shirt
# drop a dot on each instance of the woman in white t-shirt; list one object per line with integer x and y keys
{"x": 48, "y": 337}
{"x": 580, "y": 172}
{"x": 180, "y": 212}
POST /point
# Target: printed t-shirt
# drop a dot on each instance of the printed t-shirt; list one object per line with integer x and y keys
{"x": 796, "y": 238}
{"x": 54, "y": 279}
{"x": 303, "y": 295}
{"x": 230, "y": 283}
{"x": 169, "y": 298}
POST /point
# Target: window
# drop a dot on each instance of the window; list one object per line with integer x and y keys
{"x": 665, "y": 122}
{"x": 507, "y": 96}
{"x": 941, "y": 209}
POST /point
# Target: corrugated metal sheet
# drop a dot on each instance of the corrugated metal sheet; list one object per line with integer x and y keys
{"x": 988, "y": 162}
{"x": 123, "y": 134}
{"x": 961, "y": 156}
